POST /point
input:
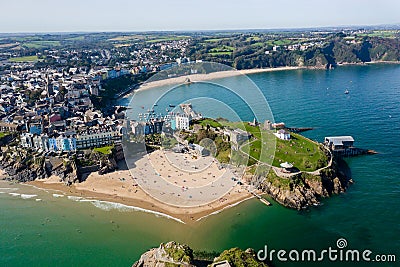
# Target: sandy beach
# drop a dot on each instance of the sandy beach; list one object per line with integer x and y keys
{"x": 210, "y": 76}
{"x": 118, "y": 187}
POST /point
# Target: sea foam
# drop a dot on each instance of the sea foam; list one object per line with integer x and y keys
{"x": 107, "y": 206}
{"x": 75, "y": 198}
{"x": 26, "y": 196}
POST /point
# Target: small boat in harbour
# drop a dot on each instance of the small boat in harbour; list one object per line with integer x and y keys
{"x": 171, "y": 106}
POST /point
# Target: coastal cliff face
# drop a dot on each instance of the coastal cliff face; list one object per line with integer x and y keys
{"x": 24, "y": 165}
{"x": 175, "y": 254}
{"x": 307, "y": 189}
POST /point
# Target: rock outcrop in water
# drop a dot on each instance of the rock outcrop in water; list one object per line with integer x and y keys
{"x": 306, "y": 189}
{"x": 170, "y": 254}
{"x": 175, "y": 254}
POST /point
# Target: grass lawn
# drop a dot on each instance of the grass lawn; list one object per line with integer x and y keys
{"x": 211, "y": 122}
{"x": 267, "y": 148}
{"x": 301, "y": 152}
{"x": 24, "y": 59}
{"x": 106, "y": 150}
{"x": 255, "y": 131}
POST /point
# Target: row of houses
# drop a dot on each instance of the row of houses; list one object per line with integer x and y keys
{"x": 71, "y": 142}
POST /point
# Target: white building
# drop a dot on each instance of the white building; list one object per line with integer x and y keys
{"x": 182, "y": 122}
{"x": 41, "y": 142}
{"x": 27, "y": 140}
{"x": 66, "y": 143}
{"x": 282, "y": 134}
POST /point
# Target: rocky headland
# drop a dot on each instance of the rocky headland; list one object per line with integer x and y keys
{"x": 307, "y": 189}
{"x": 175, "y": 254}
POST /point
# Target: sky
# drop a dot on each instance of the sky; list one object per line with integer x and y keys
{"x": 184, "y": 15}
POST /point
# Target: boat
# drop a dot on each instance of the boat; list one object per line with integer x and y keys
{"x": 346, "y": 92}
{"x": 266, "y": 202}
{"x": 171, "y": 106}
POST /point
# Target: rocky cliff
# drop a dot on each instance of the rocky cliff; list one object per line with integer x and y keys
{"x": 24, "y": 165}
{"x": 308, "y": 189}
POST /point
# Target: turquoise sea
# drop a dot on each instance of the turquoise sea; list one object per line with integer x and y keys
{"x": 60, "y": 231}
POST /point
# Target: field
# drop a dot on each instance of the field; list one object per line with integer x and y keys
{"x": 125, "y": 38}
{"x": 41, "y": 44}
{"x": 258, "y": 44}
{"x": 24, "y": 59}
{"x": 221, "y": 50}
{"x": 253, "y": 38}
{"x": 280, "y": 42}
{"x": 383, "y": 34}
{"x": 77, "y": 38}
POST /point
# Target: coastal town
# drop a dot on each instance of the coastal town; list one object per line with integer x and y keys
{"x": 60, "y": 118}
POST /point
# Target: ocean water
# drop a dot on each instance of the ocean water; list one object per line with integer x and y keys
{"x": 39, "y": 228}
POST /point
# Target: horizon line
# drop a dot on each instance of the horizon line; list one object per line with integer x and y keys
{"x": 394, "y": 25}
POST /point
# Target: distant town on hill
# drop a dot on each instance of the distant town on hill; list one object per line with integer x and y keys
{"x": 154, "y": 51}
